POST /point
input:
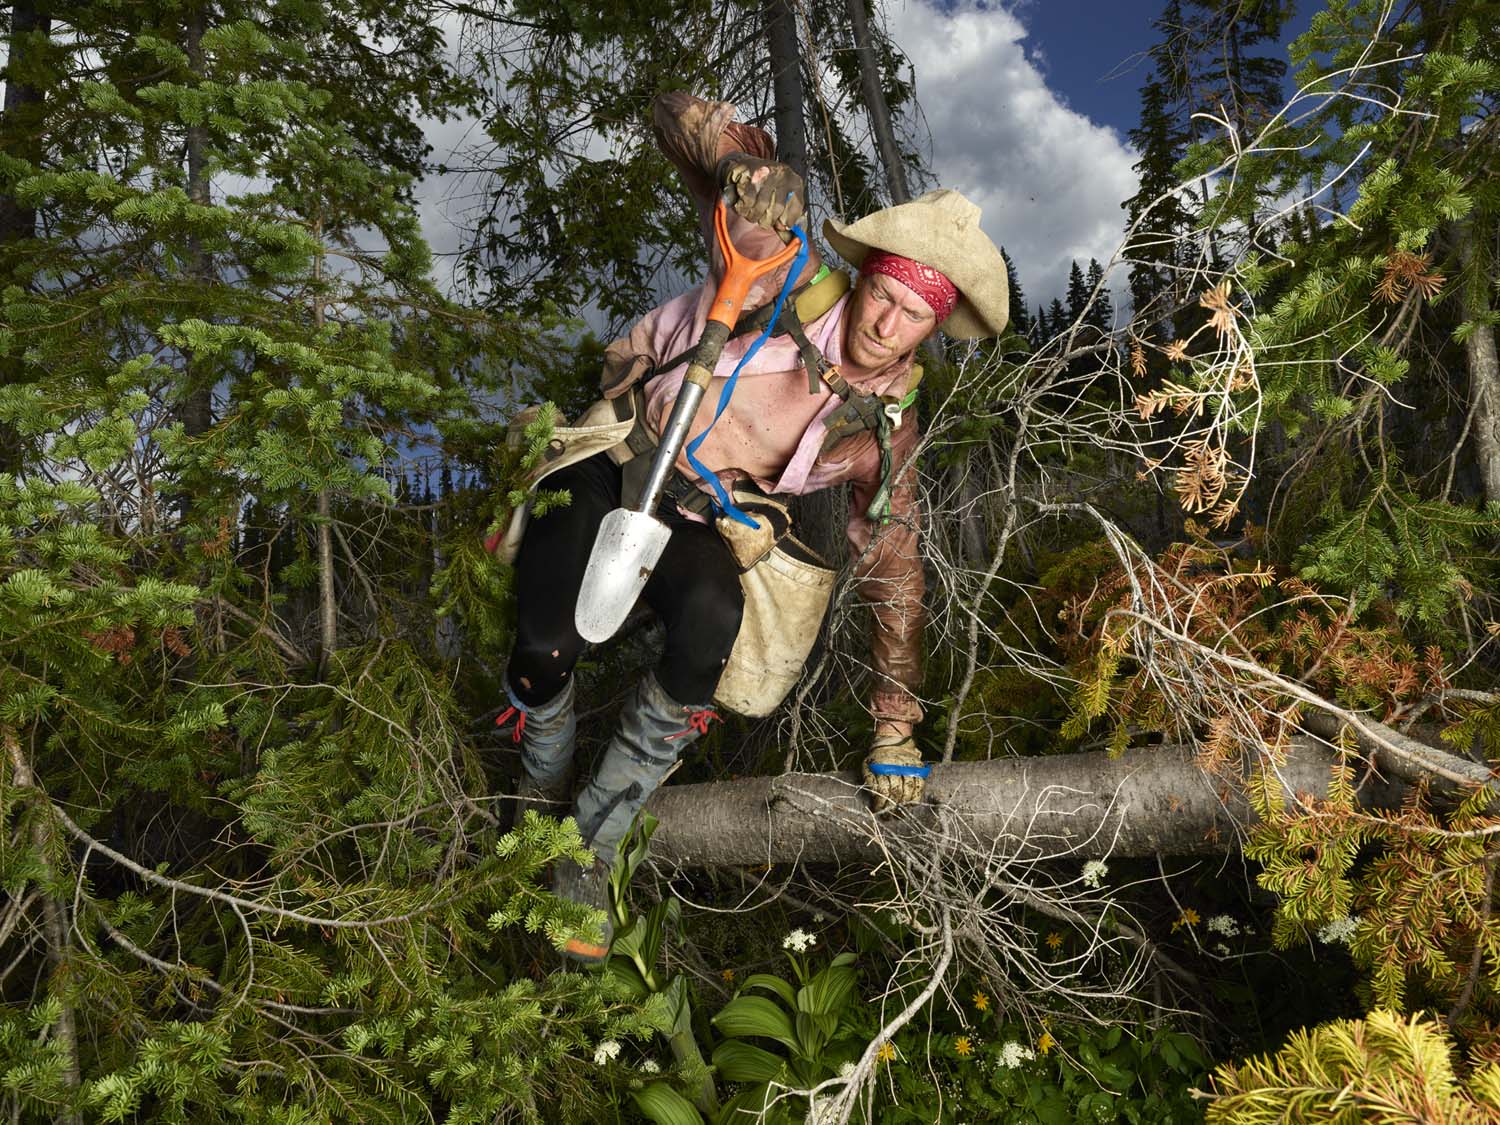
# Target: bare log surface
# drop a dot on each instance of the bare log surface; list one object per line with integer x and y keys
{"x": 1151, "y": 801}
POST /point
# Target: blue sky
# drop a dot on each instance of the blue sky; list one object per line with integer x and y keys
{"x": 1094, "y": 53}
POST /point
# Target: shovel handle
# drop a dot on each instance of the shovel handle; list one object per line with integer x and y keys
{"x": 740, "y": 272}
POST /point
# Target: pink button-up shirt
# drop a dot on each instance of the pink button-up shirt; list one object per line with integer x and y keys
{"x": 773, "y": 429}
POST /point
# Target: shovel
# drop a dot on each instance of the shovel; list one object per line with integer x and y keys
{"x": 631, "y": 540}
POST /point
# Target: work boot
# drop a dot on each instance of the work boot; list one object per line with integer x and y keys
{"x": 654, "y": 731}
{"x": 547, "y": 732}
{"x": 588, "y": 886}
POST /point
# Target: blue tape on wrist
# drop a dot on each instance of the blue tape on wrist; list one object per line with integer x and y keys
{"x": 886, "y": 769}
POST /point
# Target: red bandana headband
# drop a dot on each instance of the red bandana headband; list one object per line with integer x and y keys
{"x": 940, "y": 294}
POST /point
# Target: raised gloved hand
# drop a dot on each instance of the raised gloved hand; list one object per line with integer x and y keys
{"x": 894, "y": 772}
{"x": 765, "y": 192}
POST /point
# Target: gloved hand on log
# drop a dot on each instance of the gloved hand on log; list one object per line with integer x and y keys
{"x": 894, "y": 772}
{"x": 765, "y": 192}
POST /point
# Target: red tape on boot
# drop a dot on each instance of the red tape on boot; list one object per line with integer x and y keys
{"x": 697, "y": 723}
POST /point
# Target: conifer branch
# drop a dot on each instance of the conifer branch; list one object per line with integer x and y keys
{"x": 54, "y": 923}
{"x": 201, "y": 977}
{"x": 235, "y": 901}
{"x": 1409, "y": 759}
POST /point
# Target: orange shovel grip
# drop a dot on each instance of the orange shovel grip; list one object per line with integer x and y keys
{"x": 740, "y": 272}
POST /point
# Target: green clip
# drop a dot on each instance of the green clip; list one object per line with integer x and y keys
{"x": 879, "y": 510}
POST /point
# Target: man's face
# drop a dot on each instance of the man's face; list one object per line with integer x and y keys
{"x": 886, "y": 321}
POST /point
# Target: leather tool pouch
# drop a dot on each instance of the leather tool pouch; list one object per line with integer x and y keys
{"x": 785, "y": 583}
{"x": 786, "y": 597}
{"x": 598, "y": 429}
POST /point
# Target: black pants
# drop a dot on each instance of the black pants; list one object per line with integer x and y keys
{"x": 695, "y": 590}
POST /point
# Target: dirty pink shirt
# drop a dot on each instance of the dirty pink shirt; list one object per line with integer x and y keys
{"x": 773, "y": 429}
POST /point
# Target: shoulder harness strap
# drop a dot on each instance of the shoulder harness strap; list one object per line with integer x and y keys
{"x": 811, "y": 300}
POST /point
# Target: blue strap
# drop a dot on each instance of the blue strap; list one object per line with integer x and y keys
{"x": 722, "y": 500}
{"x": 885, "y": 769}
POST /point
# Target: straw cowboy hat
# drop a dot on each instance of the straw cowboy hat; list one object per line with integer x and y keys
{"x": 941, "y": 230}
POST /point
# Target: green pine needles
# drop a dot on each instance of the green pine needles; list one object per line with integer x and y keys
{"x": 252, "y": 863}
{"x": 1383, "y": 1069}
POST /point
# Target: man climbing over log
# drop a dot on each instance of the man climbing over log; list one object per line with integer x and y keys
{"x": 827, "y": 400}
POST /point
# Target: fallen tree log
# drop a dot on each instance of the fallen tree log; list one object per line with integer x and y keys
{"x": 1151, "y": 801}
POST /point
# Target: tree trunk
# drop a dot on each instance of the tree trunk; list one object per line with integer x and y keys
{"x": 55, "y": 921}
{"x": 197, "y": 408}
{"x": 1484, "y": 364}
{"x": 1147, "y": 802}
{"x": 328, "y": 606}
{"x": 875, "y": 104}
{"x": 23, "y": 110}
{"x": 21, "y": 137}
{"x": 786, "y": 85}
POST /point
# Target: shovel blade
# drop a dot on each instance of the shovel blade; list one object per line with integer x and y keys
{"x": 625, "y": 552}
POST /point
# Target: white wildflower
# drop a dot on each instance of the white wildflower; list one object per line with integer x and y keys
{"x": 608, "y": 1049}
{"x": 846, "y": 1069}
{"x": 799, "y": 941}
{"x": 1094, "y": 872}
{"x": 821, "y": 1112}
{"x": 650, "y": 1066}
{"x": 1224, "y": 924}
{"x": 1013, "y": 1054}
{"x": 1221, "y": 949}
{"x": 1340, "y": 930}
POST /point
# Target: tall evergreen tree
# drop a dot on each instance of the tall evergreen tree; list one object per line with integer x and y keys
{"x": 1077, "y": 294}
{"x": 1155, "y": 214}
{"x": 1207, "y": 61}
{"x": 1101, "y": 313}
{"x": 1212, "y": 69}
{"x": 576, "y": 213}
{"x": 1020, "y": 319}
{"x": 1058, "y": 319}
{"x": 230, "y": 866}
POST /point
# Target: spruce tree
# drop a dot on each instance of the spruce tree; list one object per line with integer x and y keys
{"x": 1101, "y": 313}
{"x": 581, "y": 209}
{"x": 1020, "y": 319}
{"x": 1058, "y": 319}
{"x": 1156, "y": 219}
{"x": 250, "y": 873}
{"x": 1077, "y": 294}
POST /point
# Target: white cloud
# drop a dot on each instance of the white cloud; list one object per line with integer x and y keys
{"x": 1049, "y": 180}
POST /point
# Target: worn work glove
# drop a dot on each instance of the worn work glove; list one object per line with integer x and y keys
{"x": 765, "y": 192}
{"x": 887, "y": 789}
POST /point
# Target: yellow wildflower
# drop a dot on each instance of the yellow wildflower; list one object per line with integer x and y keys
{"x": 1054, "y": 940}
{"x": 981, "y": 1002}
{"x": 886, "y": 1052}
{"x": 1046, "y": 1042}
{"x": 1189, "y": 917}
{"x": 728, "y": 975}
{"x": 962, "y": 1047}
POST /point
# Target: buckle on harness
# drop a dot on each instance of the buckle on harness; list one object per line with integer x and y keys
{"x": 892, "y": 410}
